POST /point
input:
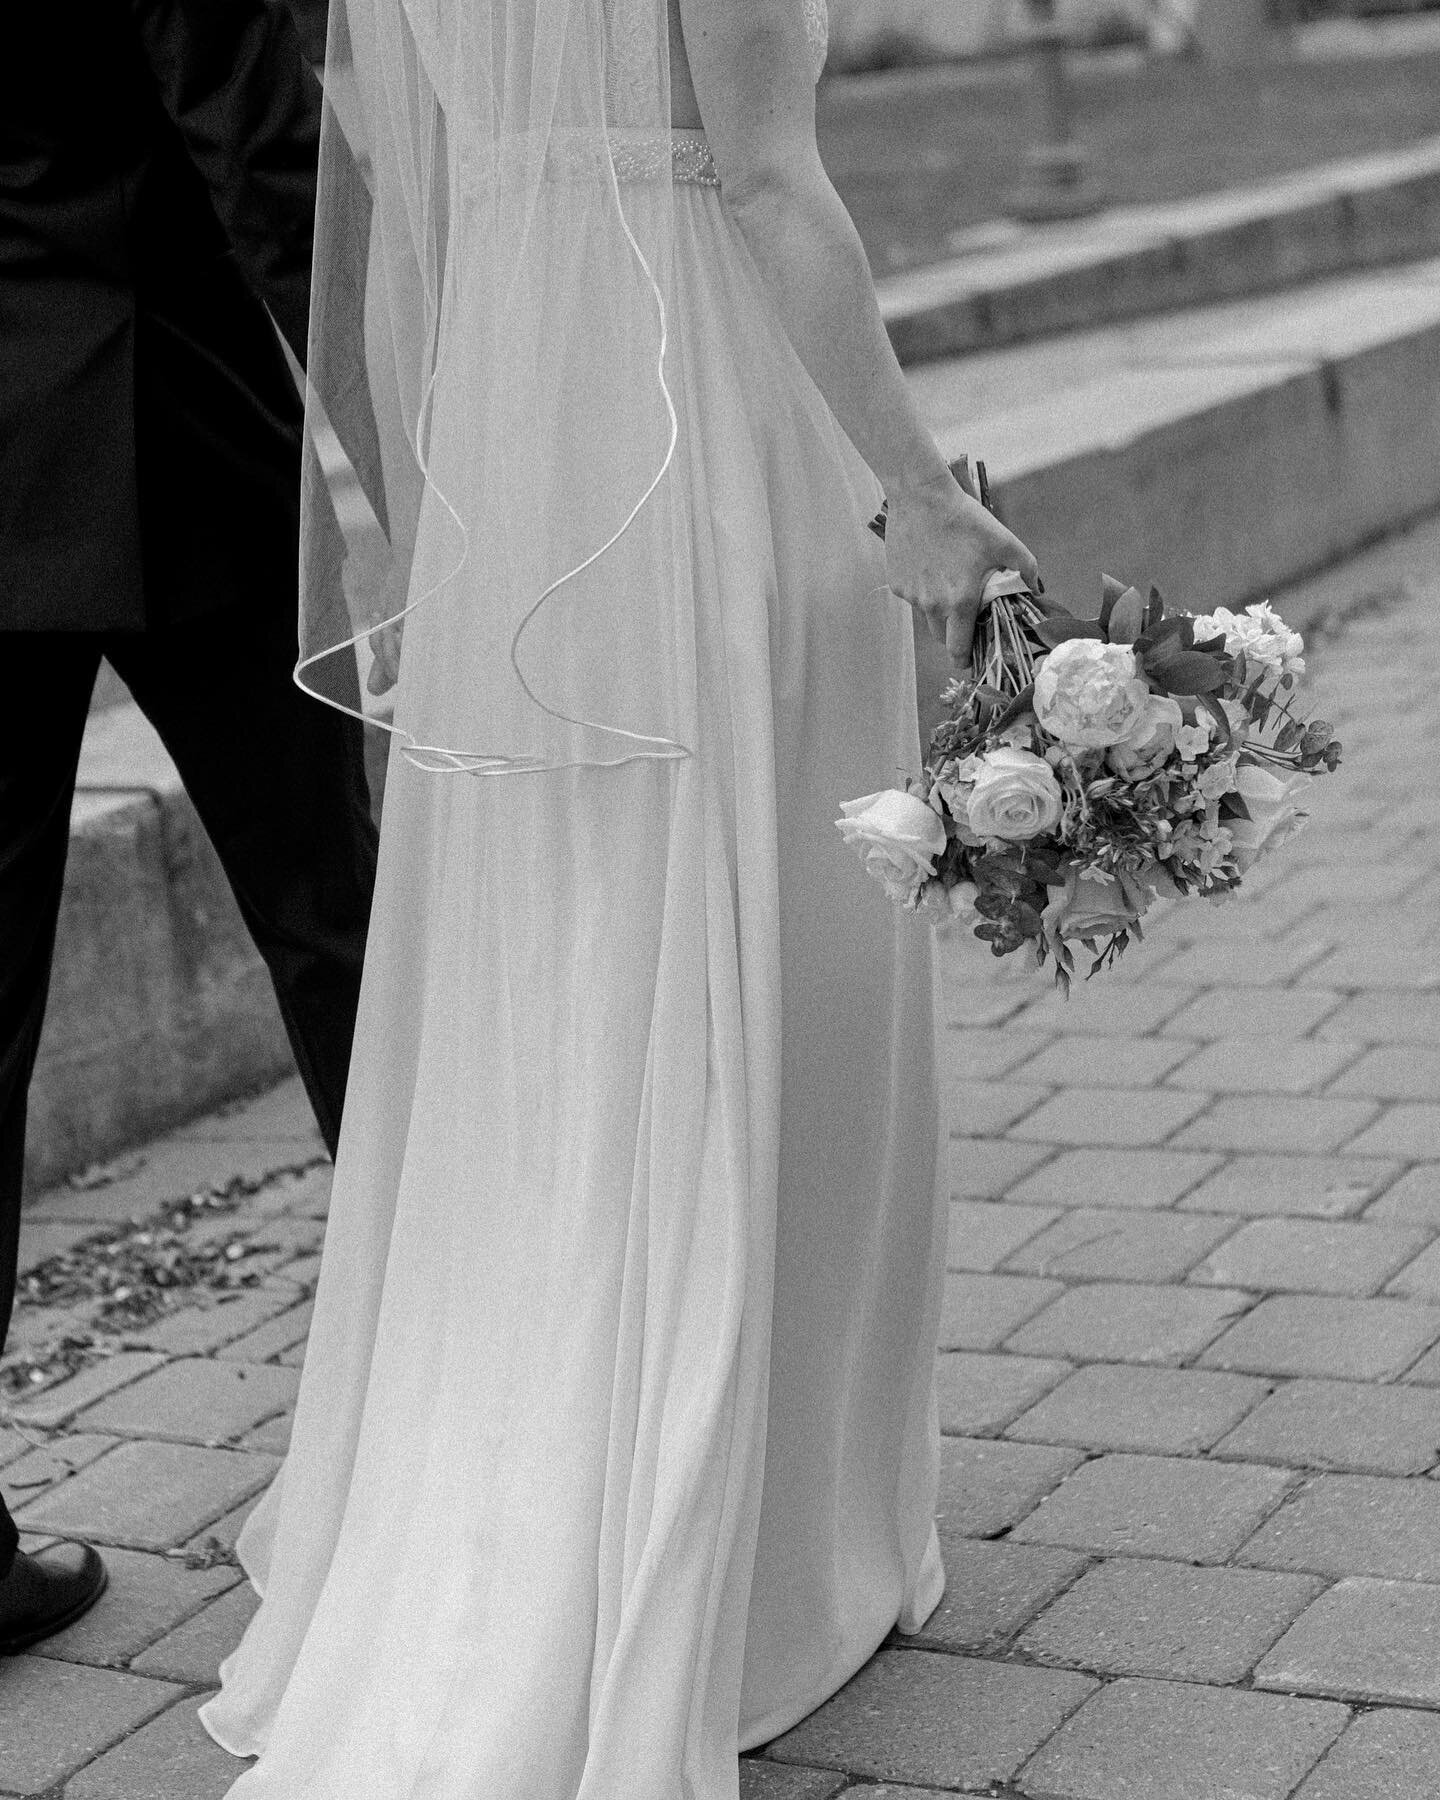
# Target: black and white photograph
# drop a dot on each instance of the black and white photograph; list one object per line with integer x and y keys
{"x": 720, "y": 900}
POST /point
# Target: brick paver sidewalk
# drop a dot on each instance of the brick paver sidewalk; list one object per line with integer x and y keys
{"x": 1190, "y": 1378}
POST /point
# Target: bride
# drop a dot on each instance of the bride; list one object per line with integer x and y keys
{"x": 616, "y": 1449}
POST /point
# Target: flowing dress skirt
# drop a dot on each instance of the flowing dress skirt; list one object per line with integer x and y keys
{"x": 616, "y": 1445}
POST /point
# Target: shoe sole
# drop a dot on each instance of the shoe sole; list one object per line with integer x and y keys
{"x": 12, "y": 1646}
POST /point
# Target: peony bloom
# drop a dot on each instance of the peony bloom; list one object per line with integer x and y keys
{"x": 898, "y": 837}
{"x": 1150, "y": 742}
{"x": 1015, "y": 796}
{"x": 1270, "y": 801}
{"x": 1093, "y": 906}
{"x": 1088, "y": 695}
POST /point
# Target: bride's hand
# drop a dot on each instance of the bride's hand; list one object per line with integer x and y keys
{"x": 940, "y": 544}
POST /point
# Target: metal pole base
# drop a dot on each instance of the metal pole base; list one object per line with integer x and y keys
{"x": 1055, "y": 184}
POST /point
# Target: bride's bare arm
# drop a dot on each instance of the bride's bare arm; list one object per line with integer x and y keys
{"x": 750, "y": 63}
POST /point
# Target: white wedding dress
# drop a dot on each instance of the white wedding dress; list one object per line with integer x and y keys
{"x": 616, "y": 1446}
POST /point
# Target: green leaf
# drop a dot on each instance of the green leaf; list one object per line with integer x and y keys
{"x": 1055, "y": 631}
{"x": 1127, "y": 617}
{"x": 1185, "y": 672}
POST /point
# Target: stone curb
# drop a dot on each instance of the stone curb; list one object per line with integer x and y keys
{"x": 1020, "y": 284}
{"x": 160, "y": 1006}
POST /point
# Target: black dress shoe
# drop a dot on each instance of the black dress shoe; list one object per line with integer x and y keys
{"x": 44, "y": 1593}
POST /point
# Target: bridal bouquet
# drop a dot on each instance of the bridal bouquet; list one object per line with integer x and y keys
{"x": 1088, "y": 767}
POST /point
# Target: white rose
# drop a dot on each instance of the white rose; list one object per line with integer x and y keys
{"x": 1088, "y": 695}
{"x": 1150, "y": 741}
{"x": 1015, "y": 796}
{"x": 898, "y": 837}
{"x": 1270, "y": 801}
{"x": 1258, "y": 633}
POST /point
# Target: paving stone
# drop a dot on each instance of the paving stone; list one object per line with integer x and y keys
{"x": 1228, "y": 1012}
{"x": 1262, "y": 962}
{"x": 149, "y": 1496}
{"x": 1131, "y": 1322}
{"x": 1419, "y": 1280}
{"x": 283, "y": 1332}
{"x": 1122, "y": 1116}
{"x": 1385, "y": 1755}
{"x": 972, "y": 1006}
{"x": 983, "y": 1109}
{"x": 1162, "y": 1618}
{"x": 1407, "y": 1129}
{"x": 196, "y": 1330}
{"x": 196, "y": 1401}
{"x": 1294, "y": 1123}
{"x": 1089, "y": 1242}
{"x": 1341, "y": 1425}
{"x": 991, "y": 1590}
{"x": 1124, "y": 1505}
{"x": 57, "y": 1404}
{"x": 1377, "y": 965}
{"x": 889, "y": 1791}
{"x": 915, "y": 1716}
{"x": 273, "y": 1436}
{"x": 1354, "y": 1525}
{"x": 171, "y": 1169}
{"x": 224, "y": 1533}
{"x": 983, "y": 1232}
{"x": 281, "y": 1112}
{"x": 1130, "y": 1178}
{"x": 1265, "y": 1065}
{"x": 1393, "y": 1072}
{"x": 1105, "y": 1061}
{"x": 147, "y": 1596}
{"x": 983, "y": 1054}
{"x": 985, "y": 1486}
{"x": 985, "y": 1168}
{"x": 194, "y": 1651}
{"x": 1158, "y": 1740}
{"x": 1106, "y": 1008}
{"x": 762, "y": 1780}
{"x": 47, "y": 1466}
{"x": 980, "y": 1311}
{"x": 1305, "y": 1334}
{"x": 172, "y": 1758}
{"x": 1311, "y": 1256}
{"x": 980, "y": 1393}
{"x": 1319, "y": 1186}
{"x": 40, "y": 1241}
{"x": 1363, "y": 1640}
{"x": 1413, "y": 1200}
{"x": 1174, "y": 1412}
{"x": 1386, "y": 1017}
{"x": 84, "y": 1712}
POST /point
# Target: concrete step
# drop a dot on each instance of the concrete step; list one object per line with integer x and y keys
{"x": 1013, "y": 283}
{"x": 1222, "y": 451}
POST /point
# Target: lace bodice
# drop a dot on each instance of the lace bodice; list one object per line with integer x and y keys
{"x": 817, "y": 30}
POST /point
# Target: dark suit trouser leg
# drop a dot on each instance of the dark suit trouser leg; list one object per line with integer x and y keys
{"x": 48, "y": 683}
{"x": 278, "y": 780}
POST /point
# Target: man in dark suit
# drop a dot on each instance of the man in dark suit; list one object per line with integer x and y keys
{"x": 157, "y": 191}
